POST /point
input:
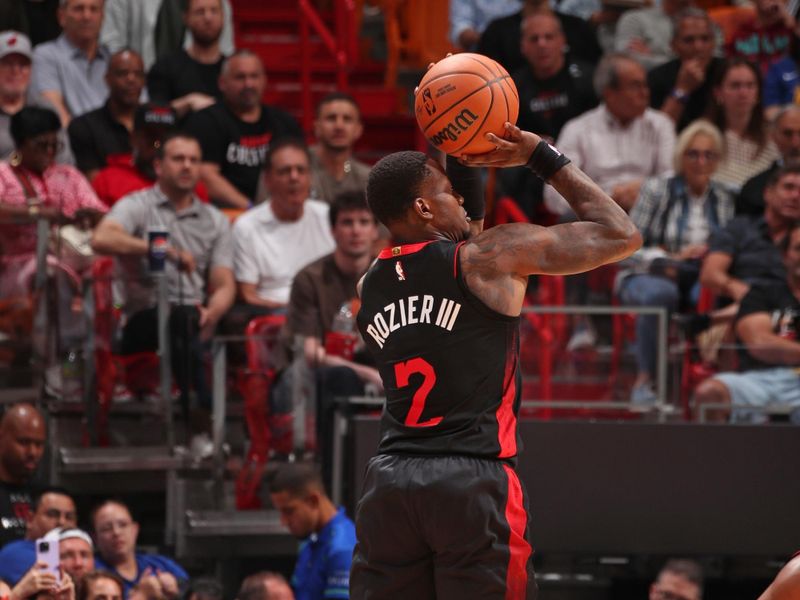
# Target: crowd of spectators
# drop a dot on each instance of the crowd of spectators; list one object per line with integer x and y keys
{"x": 120, "y": 117}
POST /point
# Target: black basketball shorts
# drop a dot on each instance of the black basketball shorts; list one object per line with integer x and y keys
{"x": 444, "y": 527}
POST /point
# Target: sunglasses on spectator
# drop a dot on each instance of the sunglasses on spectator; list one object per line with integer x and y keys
{"x": 704, "y": 154}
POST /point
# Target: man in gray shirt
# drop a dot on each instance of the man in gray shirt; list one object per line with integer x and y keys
{"x": 199, "y": 262}
{"x": 70, "y": 71}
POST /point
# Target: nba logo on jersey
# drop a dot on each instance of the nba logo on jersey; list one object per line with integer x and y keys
{"x": 398, "y": 267}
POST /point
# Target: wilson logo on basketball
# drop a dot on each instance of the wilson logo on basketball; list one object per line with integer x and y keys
{"x": 455, "y": 128}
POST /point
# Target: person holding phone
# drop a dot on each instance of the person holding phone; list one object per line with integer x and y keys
{"x": 52, "y": 508}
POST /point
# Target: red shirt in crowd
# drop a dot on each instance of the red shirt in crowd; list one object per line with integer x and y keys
{"x": 122, "y": 177}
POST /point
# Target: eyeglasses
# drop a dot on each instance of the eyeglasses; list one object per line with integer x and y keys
{"x": 707, "y": 155}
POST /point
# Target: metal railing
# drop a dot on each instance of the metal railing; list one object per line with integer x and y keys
{"x": 340, "y": 43}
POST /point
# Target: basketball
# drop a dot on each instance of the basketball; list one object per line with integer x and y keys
{"x": 461, "y": 99}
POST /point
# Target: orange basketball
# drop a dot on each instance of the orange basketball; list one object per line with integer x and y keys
{"x": 462, "y": 98}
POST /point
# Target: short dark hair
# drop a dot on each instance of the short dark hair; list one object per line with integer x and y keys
{"x": 252, "y": 587}
{"x": 336, "y": 96}
{"x": 204, "y": 588}
{"x": 686, "y": 568}
{"x": 173, "y": 135}
{"x": 32, "y": 121}
{"x": 295, "y": 478}
{"x": 37, "y": 499}
{"x": 85, "y": 582}
{"x": 288, "y": 141}
{"x": 98, "y": 507}
{"x": 394, "y": 183}
{"x": 782, "y": 172}
{"x": 347, "y": 202}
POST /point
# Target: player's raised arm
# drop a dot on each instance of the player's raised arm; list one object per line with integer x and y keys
{"x": 603, "y": 234}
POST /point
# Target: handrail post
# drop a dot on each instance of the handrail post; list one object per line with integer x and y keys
{"x": 305, "y": 67}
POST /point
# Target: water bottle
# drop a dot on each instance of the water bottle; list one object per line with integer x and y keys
{"x": 341, "y": 339}
{"x": 72, "y": 376}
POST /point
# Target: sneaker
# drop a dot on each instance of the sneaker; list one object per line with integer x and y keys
{"x": 583, "y": 337}
{"x": 643, "y": 397}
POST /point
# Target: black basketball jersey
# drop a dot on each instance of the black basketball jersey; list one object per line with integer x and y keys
{"x": 449, "y": 363}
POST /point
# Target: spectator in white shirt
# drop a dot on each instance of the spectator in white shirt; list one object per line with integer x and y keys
{"x": 621, "y": 142}
{"x": 274, "y": 240}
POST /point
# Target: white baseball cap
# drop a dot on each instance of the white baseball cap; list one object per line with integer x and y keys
{"x": 14, "y": 42}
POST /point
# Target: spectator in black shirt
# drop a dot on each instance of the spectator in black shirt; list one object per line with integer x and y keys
{"x": 500, "y": 41}
{"x": 682, "y": 87}
{"x": 22, "y": 438}
{"x": 106, "y": 131}
{"x": 786, "y": 135}
{"x": 746, "y": 251}
{"x": 552, "y": 90}
{"x": 187, "y": 79}
{"x": 767, "y": 327}
{"x": 235, "y": 132}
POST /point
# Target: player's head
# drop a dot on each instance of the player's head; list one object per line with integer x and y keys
{"x": 297, "y": 492}
{"x": 679, "y": 579}
{"x": 411, "y": 194}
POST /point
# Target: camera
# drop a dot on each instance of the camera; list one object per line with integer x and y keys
{"x": 44, "y": 546}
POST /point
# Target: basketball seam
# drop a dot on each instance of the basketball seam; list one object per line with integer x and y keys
{"x": 460, "y": 100}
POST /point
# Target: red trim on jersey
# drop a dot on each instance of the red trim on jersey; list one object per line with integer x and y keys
{"x": 395, "y": 251}
{"x": 506, "y": 419}
{"x": 455, "y": 260}
{"x": 519, "y": 548}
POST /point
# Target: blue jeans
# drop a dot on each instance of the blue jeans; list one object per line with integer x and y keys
{"x": 648, "y": 290}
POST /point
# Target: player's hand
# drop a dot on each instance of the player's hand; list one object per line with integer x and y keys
{"x": 512, "y": 150}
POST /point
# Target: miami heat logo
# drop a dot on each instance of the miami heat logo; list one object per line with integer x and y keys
{"x": 398, "y": 267}
{"x": 427, "y": 100}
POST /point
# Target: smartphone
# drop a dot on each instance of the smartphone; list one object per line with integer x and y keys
{"x": 47, "y": 552}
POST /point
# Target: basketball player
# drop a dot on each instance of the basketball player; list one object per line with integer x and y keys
{"x": 443, "y": 514}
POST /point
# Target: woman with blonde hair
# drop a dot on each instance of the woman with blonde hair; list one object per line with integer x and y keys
{"x": 676, "y": 216}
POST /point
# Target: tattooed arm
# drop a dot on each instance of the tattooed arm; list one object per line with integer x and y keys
{"x": 497, "y": 263}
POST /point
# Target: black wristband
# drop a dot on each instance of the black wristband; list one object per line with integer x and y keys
{"x": 468, "y": 182}
{"x": 545, "y": 160}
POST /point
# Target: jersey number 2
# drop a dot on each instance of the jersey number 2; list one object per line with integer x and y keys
{"x": 404, "y": 370}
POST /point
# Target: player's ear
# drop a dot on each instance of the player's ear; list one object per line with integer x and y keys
{"x": 422, "y": 208}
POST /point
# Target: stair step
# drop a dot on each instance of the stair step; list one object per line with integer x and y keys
{"x": 373, "y": 101}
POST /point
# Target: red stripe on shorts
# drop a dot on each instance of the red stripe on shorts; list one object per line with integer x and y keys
{"x": 520, "y": 549}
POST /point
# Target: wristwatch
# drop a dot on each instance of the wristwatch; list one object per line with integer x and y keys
{"x": 679, "y": 95}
